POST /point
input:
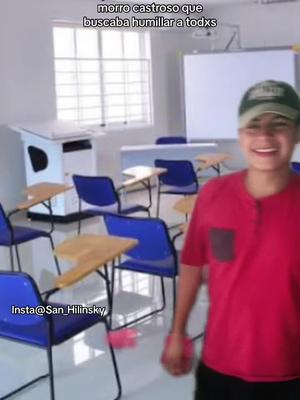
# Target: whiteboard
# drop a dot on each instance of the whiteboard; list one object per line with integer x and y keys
{"x": 215, "y": 83}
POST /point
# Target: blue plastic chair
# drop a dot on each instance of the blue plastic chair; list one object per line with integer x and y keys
{"x": 19, "y": 290}
{"x": 100, "y": 192}
{"x": 171, "y": 140}
{"x": 295, "y": 166}
{"x": 155, "y": 253}
{"x": 180, "y": 179}
{"x": 11, "y": 236}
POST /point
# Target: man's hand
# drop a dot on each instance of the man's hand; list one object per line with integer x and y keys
{"x": 178, "y": 354}
{"x": 177, "y": 358}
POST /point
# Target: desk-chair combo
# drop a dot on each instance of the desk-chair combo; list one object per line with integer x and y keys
{"x": 180, "y": 179}
{"x": 100, "y": 192}
{"x": 12, "y": 236}
{"x": 154, "y": 254}
{"x": 44, "y": 331}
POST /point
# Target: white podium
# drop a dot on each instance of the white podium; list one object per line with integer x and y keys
{"x": 53, "y": 152}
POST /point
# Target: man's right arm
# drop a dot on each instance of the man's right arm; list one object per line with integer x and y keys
{"x": 194, "y": 256}
{"x": 188, "y": 286}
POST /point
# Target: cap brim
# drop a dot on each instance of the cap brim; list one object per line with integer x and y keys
{"x": 274, "y": 108}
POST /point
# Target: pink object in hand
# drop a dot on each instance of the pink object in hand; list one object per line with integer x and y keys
{"x": 122, "y": 339}
{"x": 188, "y": 350}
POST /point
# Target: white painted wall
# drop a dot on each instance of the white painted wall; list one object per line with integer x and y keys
{"x": 26, "y": 80}
{"x": 27, "y": 85}
{"x": 261, "y": 25}
{"x": 27, "y": 75}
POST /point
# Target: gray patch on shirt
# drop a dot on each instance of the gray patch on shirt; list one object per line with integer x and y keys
{"x": 222, "y": 243}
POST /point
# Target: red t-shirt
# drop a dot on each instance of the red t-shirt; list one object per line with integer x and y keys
{"x": 252, "y": 247}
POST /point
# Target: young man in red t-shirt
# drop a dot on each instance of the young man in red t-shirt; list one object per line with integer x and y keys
{"x": 246, "y": 227}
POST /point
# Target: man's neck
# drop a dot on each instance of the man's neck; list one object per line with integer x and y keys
{"x": 264, "y": 183}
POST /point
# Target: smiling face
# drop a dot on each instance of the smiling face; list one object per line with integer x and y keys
{"x": 268, "y": 142}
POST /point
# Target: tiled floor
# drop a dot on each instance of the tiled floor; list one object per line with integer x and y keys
{"x": 82, "y": 365}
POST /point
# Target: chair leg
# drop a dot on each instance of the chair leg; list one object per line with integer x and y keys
{"x": 142, "y": 317}
{"x": 18, "y": 258}
{"x": 116, "y": 370}
{"x": 21, "y": 388}
{"x": 11, "y": 256}
{"x": 54, "y": 256}
{"x": 147, "y": 185}
{"x": 107, "y": 283}
{"x": 199, "y": 336}
{"x": 28, "y": 384}
{"x": 158, "y": 201}
{"x": 176, "y": 236}
{"x": 51, "y": 375}
{"x": 163, "y": 292}
{"x": 112, "y": 289}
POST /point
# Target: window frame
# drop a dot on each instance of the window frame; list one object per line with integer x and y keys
{"x": 144, "y": 118}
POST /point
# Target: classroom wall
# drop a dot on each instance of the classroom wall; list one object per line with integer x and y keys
{"x": 27, "y": 75}
{"x": 261, "y": 25}
{"x": 27, "y": 84}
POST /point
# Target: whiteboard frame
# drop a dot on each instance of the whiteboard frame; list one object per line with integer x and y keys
{"x": 244, "y": 50}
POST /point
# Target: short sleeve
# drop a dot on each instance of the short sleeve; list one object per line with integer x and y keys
{"x": 194, "y": 252}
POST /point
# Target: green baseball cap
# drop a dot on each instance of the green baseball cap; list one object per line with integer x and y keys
{"x": 269, "y": 97}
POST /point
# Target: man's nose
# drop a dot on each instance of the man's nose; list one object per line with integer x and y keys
{"x": 266, "y": 130}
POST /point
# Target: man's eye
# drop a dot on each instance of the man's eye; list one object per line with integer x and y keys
{"x": 279, "y": 124}
{"x": 252, "y": 126}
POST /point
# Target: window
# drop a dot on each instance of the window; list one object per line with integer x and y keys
{"x": 102, "y": 76}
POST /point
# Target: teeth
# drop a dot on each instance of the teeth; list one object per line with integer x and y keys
{"x": 265, "y": 150}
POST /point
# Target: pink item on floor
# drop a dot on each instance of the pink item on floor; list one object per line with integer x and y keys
{"x": 123, "y": 338}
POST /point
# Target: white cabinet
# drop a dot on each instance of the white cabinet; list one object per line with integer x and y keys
{"x": 53, "y": 152}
